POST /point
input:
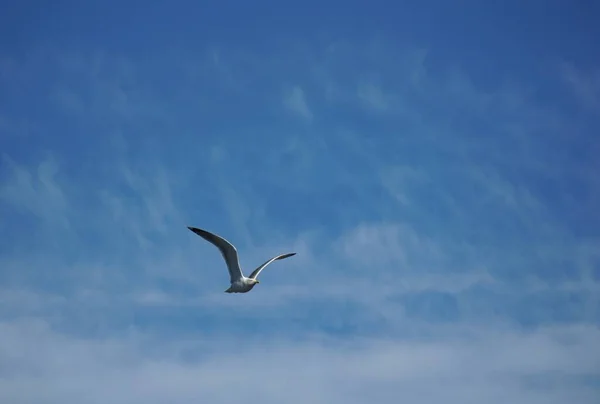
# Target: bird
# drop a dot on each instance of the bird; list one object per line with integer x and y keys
{"x": 239, "y": 282}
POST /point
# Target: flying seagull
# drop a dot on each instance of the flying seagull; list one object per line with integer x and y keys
{"x": 239, "y": 283}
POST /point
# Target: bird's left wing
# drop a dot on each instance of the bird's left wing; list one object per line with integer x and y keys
{"x": 227, "y": 250}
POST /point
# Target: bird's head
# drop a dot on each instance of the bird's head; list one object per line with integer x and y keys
{"x": 255, "y": 281}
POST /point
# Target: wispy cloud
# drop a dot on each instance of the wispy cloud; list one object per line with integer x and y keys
{"x": 295, "y": 101}
{"x": 585, "y": 86}
{"x": 373, "y": 97}
{"x": 35, "y": 191}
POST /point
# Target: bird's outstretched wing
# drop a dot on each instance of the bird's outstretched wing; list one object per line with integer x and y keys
{"x": 255, "y": 273}
{"x": 227, "y": 250}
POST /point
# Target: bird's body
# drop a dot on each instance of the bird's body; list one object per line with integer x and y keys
{"x": 242, "y": 285}
{"x": 239, "y": 282}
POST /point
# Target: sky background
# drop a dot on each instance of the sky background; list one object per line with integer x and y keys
{"x": 434, "y": 164}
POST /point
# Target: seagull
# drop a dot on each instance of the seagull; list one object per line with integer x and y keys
{"x": 239, "y": 283}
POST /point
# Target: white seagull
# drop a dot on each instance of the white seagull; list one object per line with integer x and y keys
{"x": 239, "y": 283}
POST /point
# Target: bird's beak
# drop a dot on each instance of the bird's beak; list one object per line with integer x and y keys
{"x": 257, "y": 281}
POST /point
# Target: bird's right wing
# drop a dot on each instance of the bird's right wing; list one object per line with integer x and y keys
{"x": 256, "y": 272}
{"x": 227, "y": 250}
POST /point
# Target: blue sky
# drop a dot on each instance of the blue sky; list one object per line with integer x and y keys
{"x": 433, "y": 164}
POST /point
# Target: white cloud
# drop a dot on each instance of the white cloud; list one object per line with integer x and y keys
{"x": 295, "y": 101}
